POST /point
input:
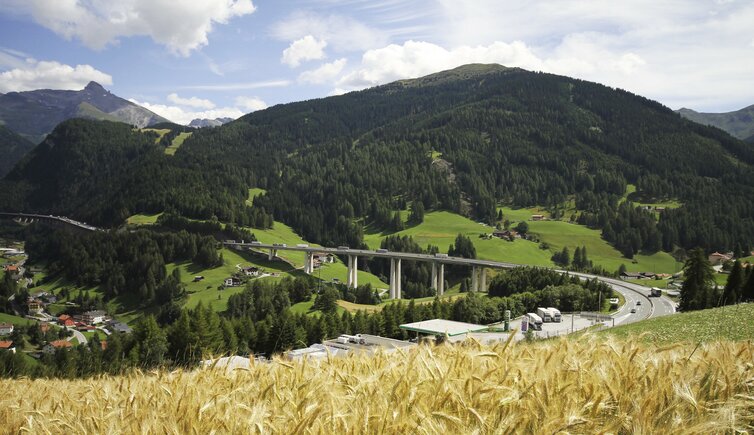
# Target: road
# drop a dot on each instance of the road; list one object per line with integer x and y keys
{"x": 633, "y": 293}
{"x": 78, "y": 336}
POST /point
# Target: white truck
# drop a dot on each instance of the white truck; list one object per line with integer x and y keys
{"x": 555, "y": 315}
{"x": 535, "y": 322}
{"x": 545, "y": 314}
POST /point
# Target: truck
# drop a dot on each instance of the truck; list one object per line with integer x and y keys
{"x": 535, "y": 322}
{"x": 544, "y": 313}
{"x": 655, "y": 292}
{"x": 555, "y": 315}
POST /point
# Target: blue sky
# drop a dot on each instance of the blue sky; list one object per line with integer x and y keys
{"x": 208, "y": 58}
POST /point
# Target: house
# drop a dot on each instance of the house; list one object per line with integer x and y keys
{"x": 120, "y": 327}
{"x": 537, "y": 217}
{"x": 717, "y": 258}
{"x": 66, "y": 320}
{"x": 198, "y": 278}
{"x": 631, "y": 275}
{"x": 251, "y": 271}
{"x": 6, "y": 328}
{"x": 44, "y": 327}
{"x": 13, "y": 271}
{"x": 506, "y": 234}
{"x": 7, "y": 345}
{"x": 52, "y": 346}
{"x": 232, "y": 282}
{"x": 94, "y": 317}
{"x": 35, "y": 306}
{"x": 323, "y": 257}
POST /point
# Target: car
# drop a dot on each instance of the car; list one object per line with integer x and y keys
{"x": 638, "y": 302}
{"x": 382, "y": 250}
{"x": 633, "y": 310}
{"x": 343, "y": 247}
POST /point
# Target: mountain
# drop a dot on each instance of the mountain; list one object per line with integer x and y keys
{"x": 464, "y": 140}
{"x": 739, "y": 123}
{"x": 12, "y": 148}
{"x": 34, "y": 114}
{"x": 201, "y": 123}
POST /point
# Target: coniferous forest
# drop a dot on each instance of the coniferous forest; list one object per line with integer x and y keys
{"x": 464, "y": 140}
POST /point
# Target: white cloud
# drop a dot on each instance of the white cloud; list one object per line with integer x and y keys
{"x": 306, "y": 48}
{"x": 182, "y": 116}
{"x": 340, "y": 32}
{"x": 415, "y": 59}
{"x": 325, "y": 73}
{"x": 250, "y": 104}
{"x": 51, "y": 75}
{"x": 191, "y": 102}
{"x": 181, "y": 111}
{"x": 238, "y": 86}
{"x": 180, "y": 25}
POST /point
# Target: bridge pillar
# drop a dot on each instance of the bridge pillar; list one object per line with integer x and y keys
{"x": 482, "y": 280}
{"x": 309, "y": 263}
{"x": 353, "y": 263}
{"x": 441, "y": 280}
{"x": 272, "y": 255}
{"x": 433, "y": 284}
{"x": 395, "y": 278}
{"x": 398, "y": 289}
{"x": 474, "y": 280}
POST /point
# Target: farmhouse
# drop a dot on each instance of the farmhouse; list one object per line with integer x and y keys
{"x": 120, "y": 327}
{"x": 323, "y": 257}
{"x": 6, "y": 328}
{"x": 251, "y": 271}
{"x": 35, "y": 306}
{"x": 7, "y": 345}
{"x": 52, "y": 346}
{"x": 232, "y": 282}
{"x": 717, "y": 258}
{"x": 94, "y": 317}
{"x": 538, "y": 217}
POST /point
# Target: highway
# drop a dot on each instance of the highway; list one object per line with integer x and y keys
{"x": 44, "y": 217}
{"x": 649, "y": 307}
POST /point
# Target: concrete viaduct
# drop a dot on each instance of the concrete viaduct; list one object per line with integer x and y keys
{"x": 31, "y": 217}
{"x": 438, "y": 261}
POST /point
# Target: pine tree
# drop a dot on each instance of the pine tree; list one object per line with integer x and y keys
{"x": 747, "y": 292}
{"x": 734, "y": 285}
{"x": 698, "y": 281}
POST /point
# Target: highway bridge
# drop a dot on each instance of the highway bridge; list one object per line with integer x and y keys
{"x": 647, "y": 307}
{"x": 31, "y": 217}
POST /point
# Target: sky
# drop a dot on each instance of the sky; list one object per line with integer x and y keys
{"x": 186, "y": 59}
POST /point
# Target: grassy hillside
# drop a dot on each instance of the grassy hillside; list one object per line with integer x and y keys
{"x": 725, "y": 323}
{"x": 281, "y": 233}
{"x": 440, "y": 228}
{"x": 9, "y": 318}
{"x": 143, "y": 219}
{"x": 588, "y": 385}
{"x": 177, "y": 142}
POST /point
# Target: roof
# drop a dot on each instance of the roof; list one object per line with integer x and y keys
{"x": 6, "y": 325}
{"x": 441, "y": 327}
{"x": 61, "y": 343}
{"x": 6, "y": 344}
{"x": 63, "y": 317}
{"x": 95, "y": 313}
{"x": 11, "y": 268}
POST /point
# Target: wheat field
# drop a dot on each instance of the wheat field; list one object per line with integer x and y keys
{"x": 585, "y": 385}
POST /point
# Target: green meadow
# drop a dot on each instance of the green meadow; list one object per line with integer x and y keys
{"x": 177, "y": 142}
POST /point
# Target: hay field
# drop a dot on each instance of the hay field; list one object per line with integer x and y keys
{"x": 584, "y": 385}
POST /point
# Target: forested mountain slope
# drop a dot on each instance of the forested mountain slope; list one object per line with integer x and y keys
{"x": 12, "y": 148}
{"x": 463, "y": 140}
